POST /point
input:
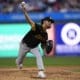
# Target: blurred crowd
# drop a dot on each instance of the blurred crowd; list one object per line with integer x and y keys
{"x": 12, "y": 6}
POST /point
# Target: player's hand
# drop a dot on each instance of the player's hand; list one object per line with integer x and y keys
{"x": 23, "y": 5}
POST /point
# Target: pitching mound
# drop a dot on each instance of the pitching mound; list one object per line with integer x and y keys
{"x": 53, "y": 73}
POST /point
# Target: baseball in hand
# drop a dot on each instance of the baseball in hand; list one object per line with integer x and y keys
{"x": 23, "y": 3}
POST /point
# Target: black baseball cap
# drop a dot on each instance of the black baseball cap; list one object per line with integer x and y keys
{"x": 48, "y": 19}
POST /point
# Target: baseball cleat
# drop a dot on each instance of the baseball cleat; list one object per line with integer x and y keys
{"x": 19, "y": 65}
{"x": 41, "y": 74}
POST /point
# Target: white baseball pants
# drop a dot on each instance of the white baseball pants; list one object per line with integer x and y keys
{"x": 24, "y": 49}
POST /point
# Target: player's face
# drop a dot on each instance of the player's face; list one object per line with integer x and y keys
{"x": 48, "y": 24}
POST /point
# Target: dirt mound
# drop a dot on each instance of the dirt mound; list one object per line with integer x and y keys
{"x": 53, "y": 73}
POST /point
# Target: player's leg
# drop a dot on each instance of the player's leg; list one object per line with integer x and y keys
{"x": 39, "y": 62}
{"x": 22, "y": 52}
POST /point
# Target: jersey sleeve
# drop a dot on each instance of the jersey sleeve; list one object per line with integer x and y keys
{"x": 37, "y": 27}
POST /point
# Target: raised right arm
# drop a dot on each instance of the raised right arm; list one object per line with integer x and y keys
{"x": 28, "y": 19}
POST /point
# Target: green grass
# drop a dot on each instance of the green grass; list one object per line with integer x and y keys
{"x": 48, "y": 61}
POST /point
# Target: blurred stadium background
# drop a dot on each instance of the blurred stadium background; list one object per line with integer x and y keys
{"x": 66, "y": 31}
{"x": 64, "y": 63}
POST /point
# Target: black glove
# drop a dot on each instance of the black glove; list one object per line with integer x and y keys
{"x": 49, "y": 46}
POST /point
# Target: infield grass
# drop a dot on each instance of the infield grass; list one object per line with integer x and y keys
{"x": 48, "y": 61}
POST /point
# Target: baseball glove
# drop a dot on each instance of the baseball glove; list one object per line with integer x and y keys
{"x": 49, "y": 46}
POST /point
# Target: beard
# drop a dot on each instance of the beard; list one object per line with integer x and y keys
{"x": 48, "y": 27}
